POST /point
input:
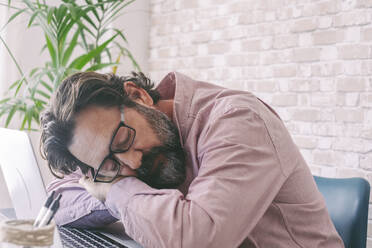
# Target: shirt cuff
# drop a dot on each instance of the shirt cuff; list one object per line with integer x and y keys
{"x": 66, "y": 215}
{"x": 122, "y": 191}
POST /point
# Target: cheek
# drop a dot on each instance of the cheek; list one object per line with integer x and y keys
{"x": 147, "y": 140}
{"x": 125, "y": 171}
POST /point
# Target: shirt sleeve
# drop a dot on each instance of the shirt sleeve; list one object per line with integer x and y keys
{"x": 77, "y": 207}
{"x": 239, "y": 177}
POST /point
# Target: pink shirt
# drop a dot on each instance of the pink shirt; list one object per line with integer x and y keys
{"x": 247, "y": 184}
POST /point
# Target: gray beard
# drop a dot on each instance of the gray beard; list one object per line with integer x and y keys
{"x": 164, "y": 166}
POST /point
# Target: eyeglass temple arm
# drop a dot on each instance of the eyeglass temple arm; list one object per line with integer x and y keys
{"x": 122, "y": 112}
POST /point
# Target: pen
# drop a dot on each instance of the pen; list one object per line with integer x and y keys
{"x": 51, "y": 212}
{"x": 44, "y": 209}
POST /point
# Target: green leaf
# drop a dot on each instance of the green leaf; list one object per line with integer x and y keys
{"x": 10, "y": 115}
{"x": 19, "y": 86}
{"x": 52, "y": 51}
{"x": 93, "y": 9}
{"x": 39, "y": 100}
{"x": 24, "y": 121}
{"x": 12, "y": 18}
{"x": 43, "y": 48}
{"x": 115, "y": 14}
{"x": 5, "y": 100}
{"x": 103, "y": 31}
{"x": 33, "y": 71}
{"x": 50, "y": 76}
{"x": 43, "y": 94}
{"x": 81, "y": 61}
{"x": 69, "y": 25}
{"x": 50, "y": 89}
{"x": 101, "y": 4}
{"x": 61, "y": 12}
{"x": 84, "y": 27}
{"x": 70, "y": 48}
{"x": 51, "y": 11}
{"x": 119, "y": 32}
{"x": 14, "y": 84}
{"x": 62, "y": 35}
{"x": 100, "y": 66}
{"x": 11, "y": 55}
{"x": 29, "y": 118}
{"x": 88, "y": 19}
{"x": 73, "y": 10}
{"x": 32, "y": 18}
{"x": 108, "y": 54}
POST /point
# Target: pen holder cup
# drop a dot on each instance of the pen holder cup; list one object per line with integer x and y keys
{"x": 23, "y": 233}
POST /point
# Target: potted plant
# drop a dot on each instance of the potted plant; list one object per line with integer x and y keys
{"x": 78, "y": 37}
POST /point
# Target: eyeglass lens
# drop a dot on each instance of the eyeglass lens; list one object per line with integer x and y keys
{"x": 123, "y": 139}
{"x": 108, "y": 170}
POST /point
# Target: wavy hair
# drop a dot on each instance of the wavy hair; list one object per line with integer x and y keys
{"x": 74, "y": 94}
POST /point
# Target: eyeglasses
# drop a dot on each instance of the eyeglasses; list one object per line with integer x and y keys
{"x": 121, "y": 142}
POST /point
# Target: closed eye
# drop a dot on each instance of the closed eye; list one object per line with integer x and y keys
{"x": 124, "y": 143}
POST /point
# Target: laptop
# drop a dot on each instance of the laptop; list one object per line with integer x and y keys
{"x": 28, "y": 194}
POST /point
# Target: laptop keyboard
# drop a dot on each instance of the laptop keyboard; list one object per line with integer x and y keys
{"x": 79, "y": 238}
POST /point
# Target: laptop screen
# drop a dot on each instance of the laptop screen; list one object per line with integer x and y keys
{"x": 21, "y": 173}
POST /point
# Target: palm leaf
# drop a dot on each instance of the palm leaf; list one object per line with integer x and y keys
{"x": 10, "y": 115}
{"x": 100, "y": 66}
{"x": 5, "y": 100}
{"x": 25, "y": 118}
{"x": 65, "y": 26}
{"x": 119, "y": 32}
{"x": 19, "y": 85}
{"x": 81, "y": 61}
{"x": 51, "y": 12}
{"x": 52, "y": 51}
{"x": 14, "y": 84}
{"x": 93, "y": 9}
{"x": 12, "y": 18}
{"x": 115, "y": 13}
{"x": 43, "y": 94}
{"x": 43, "y": 83}
{"x": 87, "y": 18}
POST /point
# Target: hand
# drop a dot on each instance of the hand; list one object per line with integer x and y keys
{"x": 96, "y": 189}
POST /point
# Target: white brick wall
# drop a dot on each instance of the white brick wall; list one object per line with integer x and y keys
{"x": 311, "y": 60}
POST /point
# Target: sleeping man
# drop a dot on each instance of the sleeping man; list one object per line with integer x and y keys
{"x": 185, "y": 164}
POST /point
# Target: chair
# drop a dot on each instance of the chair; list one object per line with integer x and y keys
{"x": 347, "y": 202}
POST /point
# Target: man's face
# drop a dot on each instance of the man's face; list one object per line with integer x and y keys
{"x": 156, "y": 155}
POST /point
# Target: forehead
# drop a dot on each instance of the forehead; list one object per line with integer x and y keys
{"x": 94, "y": 127}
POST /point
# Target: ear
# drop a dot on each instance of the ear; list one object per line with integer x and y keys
{"x": 138, "y": 94}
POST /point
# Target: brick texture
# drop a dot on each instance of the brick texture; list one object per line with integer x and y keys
{"x": 311, "y": 60}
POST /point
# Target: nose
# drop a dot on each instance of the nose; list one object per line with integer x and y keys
{"x": 131, "y": 158}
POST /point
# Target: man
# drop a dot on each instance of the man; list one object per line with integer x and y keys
{"x": 188, "y": 164}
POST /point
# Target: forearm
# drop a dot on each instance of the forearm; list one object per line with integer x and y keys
{"x": 165, "y": 218}
{"x": 96, "y": 218}
{"x": 77, "y": 207}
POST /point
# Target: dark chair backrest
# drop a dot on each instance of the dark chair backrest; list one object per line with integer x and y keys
{"x": 347, "y": 202}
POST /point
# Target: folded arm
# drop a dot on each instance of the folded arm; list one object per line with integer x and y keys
{"x": 77, "y": 207}
{"x": 240, "y": 175}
